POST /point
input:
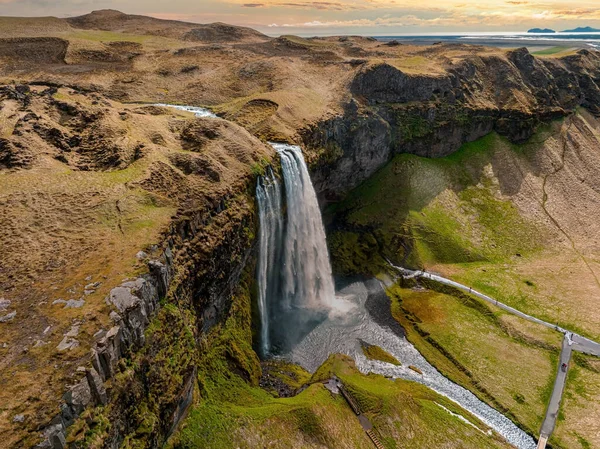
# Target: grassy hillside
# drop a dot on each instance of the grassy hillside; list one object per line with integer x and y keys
{"x": 513, "y": 221}
{"x": 507, "y": 363}
{"x": 448, "y": 210}
{"x": 578, "y": 426}
{"x": 232, "y": 413}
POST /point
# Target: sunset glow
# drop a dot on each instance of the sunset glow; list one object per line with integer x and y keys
{"x": 372, "y": 17}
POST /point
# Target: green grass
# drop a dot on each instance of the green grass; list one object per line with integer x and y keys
{"x": 374, "y": 352}
{"x": 550, "y": 51}
{"x": 233, "y": 412}
{"x": 478, "y": 348}
{"x": 425, "y": 211}
{"x": 579, "y": 428}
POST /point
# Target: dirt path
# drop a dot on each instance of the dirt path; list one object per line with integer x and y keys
{"x": 559, "y": 386}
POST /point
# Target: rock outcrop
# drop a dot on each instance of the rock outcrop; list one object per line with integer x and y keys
{"x": 433, "y": 115}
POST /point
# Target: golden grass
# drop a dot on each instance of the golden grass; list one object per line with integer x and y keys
{"x": 554, "y": 286}
{"x": 417, "y": 65}
{"x": 374, "y": 352}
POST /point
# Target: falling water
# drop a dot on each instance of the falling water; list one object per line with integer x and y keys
{"x": 297, "y": 298}
{"x": 296, "y": 289}
{"x": 268, "y": 194}
{"x": 307, "y": 278}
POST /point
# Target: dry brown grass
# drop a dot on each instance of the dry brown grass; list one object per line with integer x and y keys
{"x": 62, "y": 228}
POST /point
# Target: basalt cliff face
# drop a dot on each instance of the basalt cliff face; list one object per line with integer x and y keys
{"x": 432, "y": 116}
{"x": 128, "y": 230}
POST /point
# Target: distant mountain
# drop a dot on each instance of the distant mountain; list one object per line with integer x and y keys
{"x": 111, "y": 20}
{"x": 541, "y": 30}
{"x": 583, "y": 30}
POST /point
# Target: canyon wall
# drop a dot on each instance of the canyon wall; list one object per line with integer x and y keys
{"x": 394, "y": 112}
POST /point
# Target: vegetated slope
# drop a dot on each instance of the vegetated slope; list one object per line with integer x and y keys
{"x": 493, "y": 214}
{"x": 85, "y": 184}
{"x": 32, "y": 26}
{"x": 111, "y": 20}
{"x": 119, "y": 171}
{"x": 233, "y": 412}
{"x": 516, "y": 221}
{"x": 507, "y": 363}
{"x": 577, "y": 425}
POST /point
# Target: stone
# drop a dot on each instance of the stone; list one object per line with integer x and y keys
{"x": 8, "y": 317}
{"x": 74, "y": 303}
{"x": 79, "y": 396}
{"x": 97, "y": 389}
{"x": 4, "y": 303}
{"x": 67, "y": 343}
{"x": 122, "y": 298}
{"x": 92, "y": 286}
{"x": 39, "y": 343}
{"x": 71, "y": 303}
{"x": 97, "y": 364}
{"x": 58, "y": 440}
{"x": 19, "y": 418}
{"x": 74, "y": 331}
{"x": 47, "y": 330}
{"x": 161, "y": 274}
{"x": 54, "y": 437}
{"x": 141, "y": 255}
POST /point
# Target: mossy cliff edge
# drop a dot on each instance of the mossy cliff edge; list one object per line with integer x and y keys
{"x": 391, "y": 111}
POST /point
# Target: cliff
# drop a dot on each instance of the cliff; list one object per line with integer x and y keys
{"x": 393, "y": 112}
{"x": 128, "y": 229}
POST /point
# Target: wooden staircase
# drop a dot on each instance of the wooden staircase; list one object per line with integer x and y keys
{"x": 350, "y": 400}
{"x": 374, "y": 439}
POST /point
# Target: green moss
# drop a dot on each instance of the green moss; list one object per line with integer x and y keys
{"x": 353, "y": 253}
{"x": 425, "y": 211}
{"x": 374, "y": 352}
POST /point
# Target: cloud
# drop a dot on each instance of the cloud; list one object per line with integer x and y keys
{"x": 316, "y": 5}
{"x": 458, "y": 18}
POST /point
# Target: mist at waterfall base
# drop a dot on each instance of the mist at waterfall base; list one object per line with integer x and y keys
{"x": 295, "y": 283}
{"x": 302, "y": 319}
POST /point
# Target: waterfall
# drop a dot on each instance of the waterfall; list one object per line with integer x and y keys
{"x": 295, "y": 284}
{"x": 307, "y": 279}
{"x": 268, "y": 195}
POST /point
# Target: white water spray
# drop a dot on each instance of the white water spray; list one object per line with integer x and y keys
{"x": 296, "y": 289}
{"x": 307, "y": 278}
{"x": 268, "y": 194}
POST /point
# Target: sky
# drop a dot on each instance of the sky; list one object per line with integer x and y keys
{"x": 326, "y": 17}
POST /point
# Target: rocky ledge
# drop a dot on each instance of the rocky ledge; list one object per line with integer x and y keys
{"x": 395, "y": 112}
{"x": 135, "y": 302}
